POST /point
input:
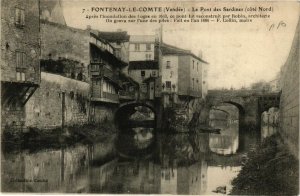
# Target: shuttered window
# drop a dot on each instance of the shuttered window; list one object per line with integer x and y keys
{"x": 21, "y": 59}
{"x": 20, "y": 17}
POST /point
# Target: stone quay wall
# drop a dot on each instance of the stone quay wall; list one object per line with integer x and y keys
{"x": 45, "y": 108}
{"x": 289, "y": 100}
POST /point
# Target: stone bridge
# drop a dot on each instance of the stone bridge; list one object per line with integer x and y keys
{"x": 250, "y": 103}
{"x": 126, "y": 109}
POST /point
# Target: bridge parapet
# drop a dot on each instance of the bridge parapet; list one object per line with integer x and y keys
{"x": 241, "y": 93}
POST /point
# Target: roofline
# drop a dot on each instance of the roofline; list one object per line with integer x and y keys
{"x": 115, "y": 32}
{"x": 142, "y": 42}
{"x": 101, "y": 39}
{"x": 184, "y": 52}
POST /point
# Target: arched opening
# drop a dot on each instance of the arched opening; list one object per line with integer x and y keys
{"x": 136, "y": 123}
{"x": 226, "y": 117}
{"x": 140, "y": 113}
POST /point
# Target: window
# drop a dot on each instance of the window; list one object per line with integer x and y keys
{"x": 137, "y": 47}
{"x": 20, "y": 65}
{"x": 153, "y": 73}
{"x": 143, "y": 73}
{"x": 193, "y": 64}
{"x": 20, "y": 75}
{"x": 193, "y": 84}
{"x": 21, "y": 59}
{"x": 168, "y": 84}
{"x": 168, "y": 65}
{"x": 20, "y": 17}
{"x": 148, "y": 46}
{"x": 148, "y": 56}
{"x": 197, "y": 66}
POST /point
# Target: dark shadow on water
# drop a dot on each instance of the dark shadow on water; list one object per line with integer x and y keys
{"x": 136, "y": 142}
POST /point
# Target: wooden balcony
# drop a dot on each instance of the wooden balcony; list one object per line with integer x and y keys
{"x": 98, "y": 69}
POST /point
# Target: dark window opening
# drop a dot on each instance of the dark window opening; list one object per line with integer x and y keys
{"x": 137, "y": 47}
{"x": 20, "y": 17}
{"x": 168, "y": 65}
{"x": 148, "y": 46}
{"x": 168, "y": 84}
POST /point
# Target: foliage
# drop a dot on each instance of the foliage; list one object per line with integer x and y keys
{"x": 63, "y": 66}
{"x": 261, "y": 85}
{"x": 270, "y": 170}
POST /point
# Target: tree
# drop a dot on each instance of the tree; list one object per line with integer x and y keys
{"x": 261, "y": 85}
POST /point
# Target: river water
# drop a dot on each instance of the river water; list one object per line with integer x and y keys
{"x": 136, "y": 161}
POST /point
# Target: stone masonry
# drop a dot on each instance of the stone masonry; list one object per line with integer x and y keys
{"x": 60, "y": 41}
{"x": 289, "y": 100}
{"x": 44, "y": 109}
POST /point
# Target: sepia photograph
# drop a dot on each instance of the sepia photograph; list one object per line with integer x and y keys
{"x": 150, "y": 97}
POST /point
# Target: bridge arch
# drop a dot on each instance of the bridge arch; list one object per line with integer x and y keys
{"x": 220, "y": 110}
{"x": 239, "y": 106}
{"x": 126, "y": 109}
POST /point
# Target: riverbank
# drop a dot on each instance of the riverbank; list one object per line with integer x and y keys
{"x": 35, "y": 139}
{"x": 269, "y": 170}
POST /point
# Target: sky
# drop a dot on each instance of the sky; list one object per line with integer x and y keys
{"x": 239, "y": 54}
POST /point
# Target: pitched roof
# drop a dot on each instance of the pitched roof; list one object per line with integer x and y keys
{"x": 142, "y": 38}
{"x": 124, "y": 77}
{"x": 142, "y": 65}
{"x": 167, "y": 49}
{"x": 116, "y": 36}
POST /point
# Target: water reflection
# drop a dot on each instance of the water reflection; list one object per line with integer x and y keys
{"x": 132, "y": 142}
{"x": 227, "y": 142}
{"x": 179, "y": 164}
{"x": 52, "y": 170}
{"x": 143, "y": 137}
{"x": 61, "y": 170}
{"x": 267, "y": 131}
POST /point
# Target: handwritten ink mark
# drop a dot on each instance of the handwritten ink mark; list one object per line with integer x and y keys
{"x": 280, "y": 24}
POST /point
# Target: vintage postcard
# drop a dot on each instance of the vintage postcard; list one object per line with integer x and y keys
{"x": 150, "y": 97}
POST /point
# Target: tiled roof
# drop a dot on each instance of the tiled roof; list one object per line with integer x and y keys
{"x": 167, "y": 49}
{"x": 116, "y": 36}
{"x": 139, "y": 65}
{"x": 142, "y": 38}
